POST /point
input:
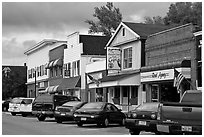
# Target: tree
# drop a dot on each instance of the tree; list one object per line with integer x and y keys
{"x": 183, "y": 13}
{"x": 153, "y": 20}
{"x": 109, "y": 17}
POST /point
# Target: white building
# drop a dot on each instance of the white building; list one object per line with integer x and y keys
{"x": 37, "y": 60}
{"x": 125, "y": 57}
{"x": 81, "y": 49}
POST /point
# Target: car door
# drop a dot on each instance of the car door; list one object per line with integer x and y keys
{"x": 116, "y": 114}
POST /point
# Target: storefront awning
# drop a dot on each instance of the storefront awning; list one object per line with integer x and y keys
{"x": 57, "y": 62}
{"x": 71, "y": 83}
{"x": 52, "y": 89}
{"x": 118, "y": 80}
{"x": 50, "y": 64}
{"x": 46, "y": 65}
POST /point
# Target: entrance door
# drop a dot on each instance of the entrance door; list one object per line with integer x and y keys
{"x": 155, "y": 93}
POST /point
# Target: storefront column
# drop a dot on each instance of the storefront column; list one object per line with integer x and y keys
{"x": 139, "y": 100}
{"x": 148, "y": 92}
{"x": 121, "y": 95}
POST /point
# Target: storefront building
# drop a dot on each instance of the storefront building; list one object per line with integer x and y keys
{"x": 125, "y": 57}
{"x": 198, "y": 36}
{"x": 165, "y": 53}
{"x": 55, "y": 66}
{"x": 81, "y": 50}
{"x": 37, "y": 61}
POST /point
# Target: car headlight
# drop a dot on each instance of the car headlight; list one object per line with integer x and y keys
{"x": 56, "y": 108}
{"x": 134, "y": 115}
{"x": 129, "y": 115}
{"x": 75, "y": 115}
{"x": 153, "y": 116}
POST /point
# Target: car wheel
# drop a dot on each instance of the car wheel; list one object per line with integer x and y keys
{"x": 41, "y": 117}
{"x": 106, "y": 122}
{"x": 157, "y": 133}
{"x": 4, "y": 109}
{"x": 134, "y": 132}
{"x": 122, "y": 123}
{"x": 13, "y": 114}
{"x": 79, "y": 124}
{"x": 58, "y": 120}
{"x": 99, "y": 124}
{"x": 24, "y": 115}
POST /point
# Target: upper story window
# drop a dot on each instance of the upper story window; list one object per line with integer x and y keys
{"x": 75, "y": 68}
{"x": 123, "y": 31}
{"x": 127, "y": 62}
{"x": 67, "y": 70}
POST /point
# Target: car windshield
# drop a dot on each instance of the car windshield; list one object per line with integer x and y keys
{"x": 93, "y": 105}
{"x": 16, "y": 100}
{"x": 27, "y": 101}
{"x": 148, "y": 107}
{"x": 71, "y": 104}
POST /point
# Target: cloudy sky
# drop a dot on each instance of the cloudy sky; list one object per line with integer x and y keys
{"x": 26, "y": 23}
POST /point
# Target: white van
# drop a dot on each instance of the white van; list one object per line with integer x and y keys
{"x": 21, "y": 105}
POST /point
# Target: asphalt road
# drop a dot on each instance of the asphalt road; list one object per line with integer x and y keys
{"x": 18, "y": 125}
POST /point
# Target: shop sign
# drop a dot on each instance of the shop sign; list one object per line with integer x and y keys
{"x": 157, "y": 75}
{"x": 113, "y": 58}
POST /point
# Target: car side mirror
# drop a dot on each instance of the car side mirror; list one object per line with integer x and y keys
{"x": 120, "y": 110}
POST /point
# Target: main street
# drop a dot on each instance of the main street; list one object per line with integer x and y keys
{"x": 18, "y": 125}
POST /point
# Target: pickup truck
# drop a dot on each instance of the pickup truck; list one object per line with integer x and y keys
{"x": 184, "y": 117}
{"x": 44, "y": 105}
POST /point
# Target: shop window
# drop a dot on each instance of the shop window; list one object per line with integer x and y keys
{"x": 61, "y": 71}
{"x": 117, "y": 92}
{"x": 56, "y": 71}
{"x": 127, "y": 62}
{"x": 99, "y": 94}
{"x": 29, "y": 74}
{"x": 45, "y": 70}
{"x": 67, "y": 71}
{"x": 155, "y": 93}
{"x": 134, "y": 92}
{"x": 51, "y": 72}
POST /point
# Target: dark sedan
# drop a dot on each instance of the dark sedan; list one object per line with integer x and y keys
{"x": 100, "y": 113}
{"x": 5, "y": 104}
{"x": 66, "y": 111}
{"x": 143, "y": 118}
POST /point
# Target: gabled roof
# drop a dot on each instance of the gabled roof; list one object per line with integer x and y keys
{"x": 139, "y": 29}
{"x": 93, "y": 45}
{"x": 144, "y": 30}
{"x": 41, "y": 44}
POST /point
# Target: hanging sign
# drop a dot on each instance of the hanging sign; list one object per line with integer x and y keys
{"x": 113, "y": 58}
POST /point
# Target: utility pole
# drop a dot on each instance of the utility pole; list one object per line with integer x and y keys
{"x": 35, "y": 84}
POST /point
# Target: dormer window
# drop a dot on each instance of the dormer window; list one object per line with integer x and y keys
{"x": 123, "y": 32}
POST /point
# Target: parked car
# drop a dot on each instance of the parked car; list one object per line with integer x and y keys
{"x": 26, "y": 106}
{"x": 184, "y": 117}
{"x": 5, "y": 104}
{"x": 44, "y": 105}
{"x": 100, "y": 113}
{"x": 142, "y": 118}
{"x": 21, "y": 105}
{"x": 66, "y": 111}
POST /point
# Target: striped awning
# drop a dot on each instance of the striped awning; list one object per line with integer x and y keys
{"x": 57, "y": 62}
{"x": 51, "y": 64}
{"x": 46, "y": 65}
{"x": 52, "y": 89}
